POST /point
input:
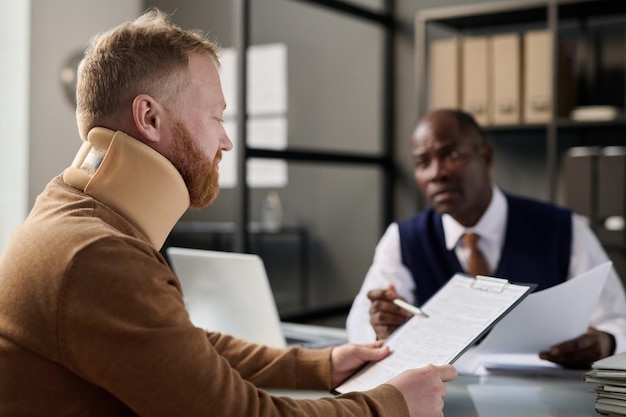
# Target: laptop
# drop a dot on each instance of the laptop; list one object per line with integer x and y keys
{"x": 230, "y": 293}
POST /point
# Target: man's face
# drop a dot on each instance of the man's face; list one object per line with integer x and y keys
{"x": 452, "y": 168}
{"x": 198, "y": 132}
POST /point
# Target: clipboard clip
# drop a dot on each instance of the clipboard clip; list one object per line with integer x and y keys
{"x": 489, "y": 284}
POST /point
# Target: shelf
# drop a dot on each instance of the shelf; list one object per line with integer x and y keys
{"x": 484, "y": 15}
{"x": 574, "y": 9}
{"x": 561, "y": 123}
{"x": 519, "y": 12}
{"x": 565, "y": 123}
{"x": 510, "y": 128}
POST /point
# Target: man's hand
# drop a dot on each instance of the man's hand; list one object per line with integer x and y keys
{"x": 346, "y": 359}
{"x": 580, "y": 352}
{"x": 385, "y": 316}
{"x": 423, "y": 389}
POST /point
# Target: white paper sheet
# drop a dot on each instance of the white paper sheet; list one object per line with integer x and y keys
{"x": 548, "y": 317}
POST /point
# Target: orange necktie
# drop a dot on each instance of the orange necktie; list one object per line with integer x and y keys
{"x": 477, "y": 264}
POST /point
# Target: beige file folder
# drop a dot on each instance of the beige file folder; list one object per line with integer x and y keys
{"x": 538, "y": 53}
{"x": 444, "y": 74}
{"x": 506, "y": 76}
{"x": 475, "y": 78}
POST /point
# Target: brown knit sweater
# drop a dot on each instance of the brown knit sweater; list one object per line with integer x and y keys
{"x": 92, "y": 323}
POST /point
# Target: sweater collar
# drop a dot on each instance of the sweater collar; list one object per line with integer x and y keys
{"x": 133, "y": 179}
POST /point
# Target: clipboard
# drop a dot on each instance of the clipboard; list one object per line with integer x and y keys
{"x": 459, "y": 315}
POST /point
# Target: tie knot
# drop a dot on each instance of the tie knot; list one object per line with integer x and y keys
{"x": 476, "y": 262}
{"x": 470, "y": 239}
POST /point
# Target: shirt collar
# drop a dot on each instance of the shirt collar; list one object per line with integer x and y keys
{"x": 490, "y": 226}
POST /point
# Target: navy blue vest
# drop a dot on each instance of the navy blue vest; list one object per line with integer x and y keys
{"x": 537, "y": 247}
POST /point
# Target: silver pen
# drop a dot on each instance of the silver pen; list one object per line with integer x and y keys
{"x": 409, "y": 307}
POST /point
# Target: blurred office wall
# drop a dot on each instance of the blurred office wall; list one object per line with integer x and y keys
{"x": 14, "y": 41}
{"x": 60, "y": 29}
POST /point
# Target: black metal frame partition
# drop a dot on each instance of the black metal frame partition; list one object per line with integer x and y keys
{"x": 384, "y": 160}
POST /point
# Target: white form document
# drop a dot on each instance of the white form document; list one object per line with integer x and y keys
{"x": 458, "y": 314}
{"x": 543, "y": 319}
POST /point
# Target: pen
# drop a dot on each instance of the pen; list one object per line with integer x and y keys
{"x": 409, "y": 307}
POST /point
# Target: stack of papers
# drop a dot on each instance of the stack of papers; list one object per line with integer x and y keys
{"x": 609, "y": 375}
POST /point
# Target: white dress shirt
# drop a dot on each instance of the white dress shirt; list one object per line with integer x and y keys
{"x": 387, "y": 268}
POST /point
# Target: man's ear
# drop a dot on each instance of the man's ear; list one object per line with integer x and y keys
{"x": 487, "y": 152}
{"x": 148, "y": 116}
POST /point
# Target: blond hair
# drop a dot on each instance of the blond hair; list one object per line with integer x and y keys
{"x": 148, "y": 55}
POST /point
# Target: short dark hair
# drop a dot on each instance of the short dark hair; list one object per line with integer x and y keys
{"x": 467, "y": 123}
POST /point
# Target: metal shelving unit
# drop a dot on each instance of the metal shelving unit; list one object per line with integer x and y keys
{"x": 546, "y": 13}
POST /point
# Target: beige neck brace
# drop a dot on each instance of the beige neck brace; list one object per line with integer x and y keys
{"x": 133, "y": 179}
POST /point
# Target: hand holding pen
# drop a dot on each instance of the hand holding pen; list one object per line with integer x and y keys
{"x": 385, "y": 315}
{"x": 416, "y": 311}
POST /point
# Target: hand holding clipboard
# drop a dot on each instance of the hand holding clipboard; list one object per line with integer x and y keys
{"x": 455, "y": 317}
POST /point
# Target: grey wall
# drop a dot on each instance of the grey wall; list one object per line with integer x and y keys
{"x": 60, "y": 28}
